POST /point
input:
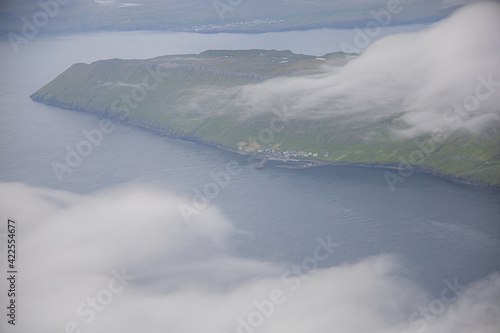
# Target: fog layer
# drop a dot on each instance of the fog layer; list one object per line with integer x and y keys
{"x": 446, "y": 76}
{"x": 125, "y": 260}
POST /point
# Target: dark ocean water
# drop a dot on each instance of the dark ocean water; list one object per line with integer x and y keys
{"x": 437, "y": 229}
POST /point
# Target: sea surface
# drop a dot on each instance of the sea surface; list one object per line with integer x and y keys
{"x": 438, "y": 230}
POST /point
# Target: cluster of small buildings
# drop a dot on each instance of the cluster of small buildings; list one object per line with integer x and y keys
{"x": 274, "y": 153}
{"x": 229, "y": 26}
{"x": 293, "y": 153}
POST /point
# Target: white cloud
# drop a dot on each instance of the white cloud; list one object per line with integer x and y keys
{"x": 187, "y": 280}
{"x": 415, "y": 77}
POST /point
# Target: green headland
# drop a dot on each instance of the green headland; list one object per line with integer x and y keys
{"x": 197, "y": 97}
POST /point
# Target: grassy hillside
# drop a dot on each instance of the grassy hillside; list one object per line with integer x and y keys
{"x": 196, "y": 97}
{"x": 206, "y": 16}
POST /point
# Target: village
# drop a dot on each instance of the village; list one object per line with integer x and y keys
{"x": 230, "y": 26}
{"x": 272, "y": 151}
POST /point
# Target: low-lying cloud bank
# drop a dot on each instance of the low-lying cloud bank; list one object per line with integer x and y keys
{"x": 426, "y": 80}
{"x": 124, "y": 260}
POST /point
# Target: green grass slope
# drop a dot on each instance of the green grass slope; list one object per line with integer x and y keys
{"x": 195, "y": 97}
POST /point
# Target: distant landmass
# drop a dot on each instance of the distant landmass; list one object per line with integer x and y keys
{"x": 26, "y": 18}
{"x": 197, "y": 97}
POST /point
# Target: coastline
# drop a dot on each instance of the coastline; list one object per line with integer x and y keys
{"x": 316, "y": 162}
{"x": 321, "y": 163}
{"x": 70, "y": 31}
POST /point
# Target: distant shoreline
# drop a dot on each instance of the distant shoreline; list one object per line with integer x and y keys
{"x": 69, "y": 32}
{"x": 322, "y": 163}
